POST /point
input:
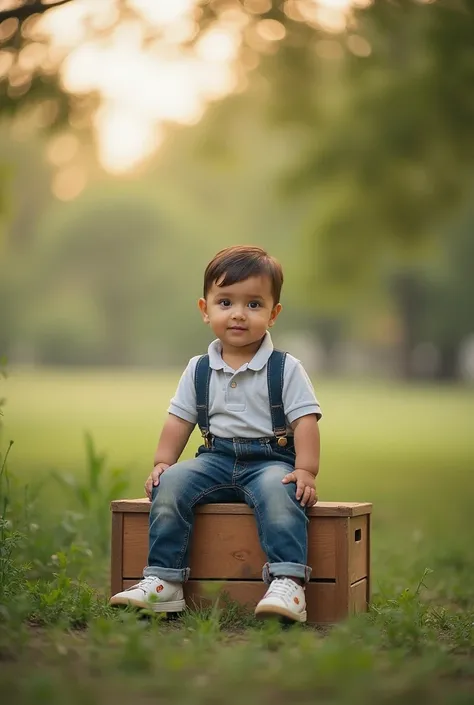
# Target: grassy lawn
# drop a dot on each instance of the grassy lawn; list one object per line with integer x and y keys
{"x": 407, "y": 449}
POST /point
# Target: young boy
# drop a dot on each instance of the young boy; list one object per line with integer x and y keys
{"x": 258, "y": 416}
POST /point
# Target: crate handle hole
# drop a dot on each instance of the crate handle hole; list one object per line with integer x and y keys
{"x": 357, "y": 535}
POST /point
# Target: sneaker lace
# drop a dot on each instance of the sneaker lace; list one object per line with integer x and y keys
{"x": 282, "y": 587}
{"x": 144, "y": 583}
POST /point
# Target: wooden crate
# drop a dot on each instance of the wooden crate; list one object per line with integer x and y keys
{"x": 226, "y": 554}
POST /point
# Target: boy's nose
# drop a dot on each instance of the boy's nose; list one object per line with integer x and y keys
{"x": 238, "y": 314}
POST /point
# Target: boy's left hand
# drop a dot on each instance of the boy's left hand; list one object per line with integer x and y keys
{"x": 305, "y": 486}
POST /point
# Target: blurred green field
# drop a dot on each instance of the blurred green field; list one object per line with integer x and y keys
{"x": 409, "y": 449}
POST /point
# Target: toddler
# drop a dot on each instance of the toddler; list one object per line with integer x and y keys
{"x": 258, "y": 416}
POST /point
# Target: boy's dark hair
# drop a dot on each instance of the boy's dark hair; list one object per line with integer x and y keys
{"x": 240, "y": 262}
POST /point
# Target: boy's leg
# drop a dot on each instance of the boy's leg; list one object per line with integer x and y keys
{"x": 182, "y": 486}
{"x": 282, "y": 526}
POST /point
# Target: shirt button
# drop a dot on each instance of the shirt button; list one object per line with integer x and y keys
{"x": 233, "y": 385}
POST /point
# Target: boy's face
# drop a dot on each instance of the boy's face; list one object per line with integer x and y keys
{"x": 240, "y": 314}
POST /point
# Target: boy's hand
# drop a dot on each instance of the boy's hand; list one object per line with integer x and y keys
{"x": 305, "y": 486}
{"x": 154, "y": 478}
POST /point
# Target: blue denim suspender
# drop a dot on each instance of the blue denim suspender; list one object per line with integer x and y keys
{"x": 275, "y": 375}
{"x": 275, "y": 372}
{"x": 202, "y": 380}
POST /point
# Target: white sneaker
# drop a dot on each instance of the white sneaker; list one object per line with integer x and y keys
{"x": 152, "y": 593}
{"x": 284, "y": 598}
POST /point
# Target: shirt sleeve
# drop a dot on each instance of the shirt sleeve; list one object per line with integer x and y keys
{"x": 183, "y": 404}
{"x": 299, "y": 398}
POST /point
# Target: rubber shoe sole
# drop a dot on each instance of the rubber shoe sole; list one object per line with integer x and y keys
{"x": 176, "y": 606}
{"x": 268, "y": 611}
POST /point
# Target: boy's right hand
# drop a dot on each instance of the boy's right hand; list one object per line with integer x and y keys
{"x": 153, "y": 479}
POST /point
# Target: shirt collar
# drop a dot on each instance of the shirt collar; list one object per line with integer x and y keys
{"x": 258, "y": 361}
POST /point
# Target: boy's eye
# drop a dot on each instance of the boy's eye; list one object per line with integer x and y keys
{"x": 225, "y": 303}
{"x": 254, "y": 304}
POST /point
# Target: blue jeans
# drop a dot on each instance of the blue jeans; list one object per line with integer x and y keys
{"x": 232, "y": 470}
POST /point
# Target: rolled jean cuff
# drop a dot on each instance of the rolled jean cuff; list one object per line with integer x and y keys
{"x": 172, "y": 575}
{"x": 287, "y": 570}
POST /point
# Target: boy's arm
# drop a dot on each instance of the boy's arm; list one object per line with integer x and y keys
{"x": 173, "y": 438}
{"x": 307, "y": 447}
{"x": 303, "y": 412}
{"x": 182, "y": 418}
{"x": 307, "y": 443}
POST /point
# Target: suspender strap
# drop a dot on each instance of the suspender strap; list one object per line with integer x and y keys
{"x": 202, "y": 378}
{"x": 275, "y": 372}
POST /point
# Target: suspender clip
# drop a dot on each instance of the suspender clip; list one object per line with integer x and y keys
{"x": 207, "y": 438}
{"x": 282, "y": 440}
{"x": 275, "y": 372}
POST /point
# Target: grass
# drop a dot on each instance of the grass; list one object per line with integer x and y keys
{"x": 407, "y": 449}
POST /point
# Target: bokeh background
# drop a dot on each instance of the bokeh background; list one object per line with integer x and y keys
{"x": 139, "y": 137}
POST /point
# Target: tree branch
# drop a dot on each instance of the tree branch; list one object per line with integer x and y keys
{"x": 24, "y": 11}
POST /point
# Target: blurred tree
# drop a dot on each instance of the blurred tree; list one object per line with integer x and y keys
{"x": 394, "y": 149}
{"x": 447, "y": 316}
{"x": 22, "y": 11}
{"x": 27, "y": 175}
{"x": 25, "y": 194}
{"x": 29, "y": 76}
{"x": 106, "y": 260}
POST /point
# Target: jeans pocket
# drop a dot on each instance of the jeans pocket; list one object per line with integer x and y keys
{"x": 290, "y": 449}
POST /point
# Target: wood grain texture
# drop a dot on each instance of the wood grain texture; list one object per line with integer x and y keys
{"x": 227, "y": 546}
{"x": 358, "y": 553}
{"x": 342, "y": 568}
{"x": 358, "y": 597}
{"x": 116, "y": 553}
{"x": 329, "y": 509}
{"x": 321, "y": 598}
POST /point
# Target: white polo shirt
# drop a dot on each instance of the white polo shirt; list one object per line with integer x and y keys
{"x": 238, "y": 399}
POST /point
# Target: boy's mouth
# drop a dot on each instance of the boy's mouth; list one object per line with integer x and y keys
{"x": 237, "y": 328}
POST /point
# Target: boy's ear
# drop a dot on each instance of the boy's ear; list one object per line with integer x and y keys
{"x": 274, "y": 314}
{"x": 203, "y": 308}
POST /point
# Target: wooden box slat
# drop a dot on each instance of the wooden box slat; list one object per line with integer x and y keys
{"x": 117, "y": 549}
{"x": 227, "y": 546}
{"x": 359, "y": 596}
{"x": 340, "y": 509}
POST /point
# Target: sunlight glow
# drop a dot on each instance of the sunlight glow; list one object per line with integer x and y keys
{"x": 125, "y": 140}
{"x": 68, "y": 183}
{"x": 145, "y": 80}
{"x": 163, "y": 13}
{"x": 216, "y": 45}
{"x": 139, "y": 86}
{"x": 271, "y": 30}
{"x": 62, "y": 149}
